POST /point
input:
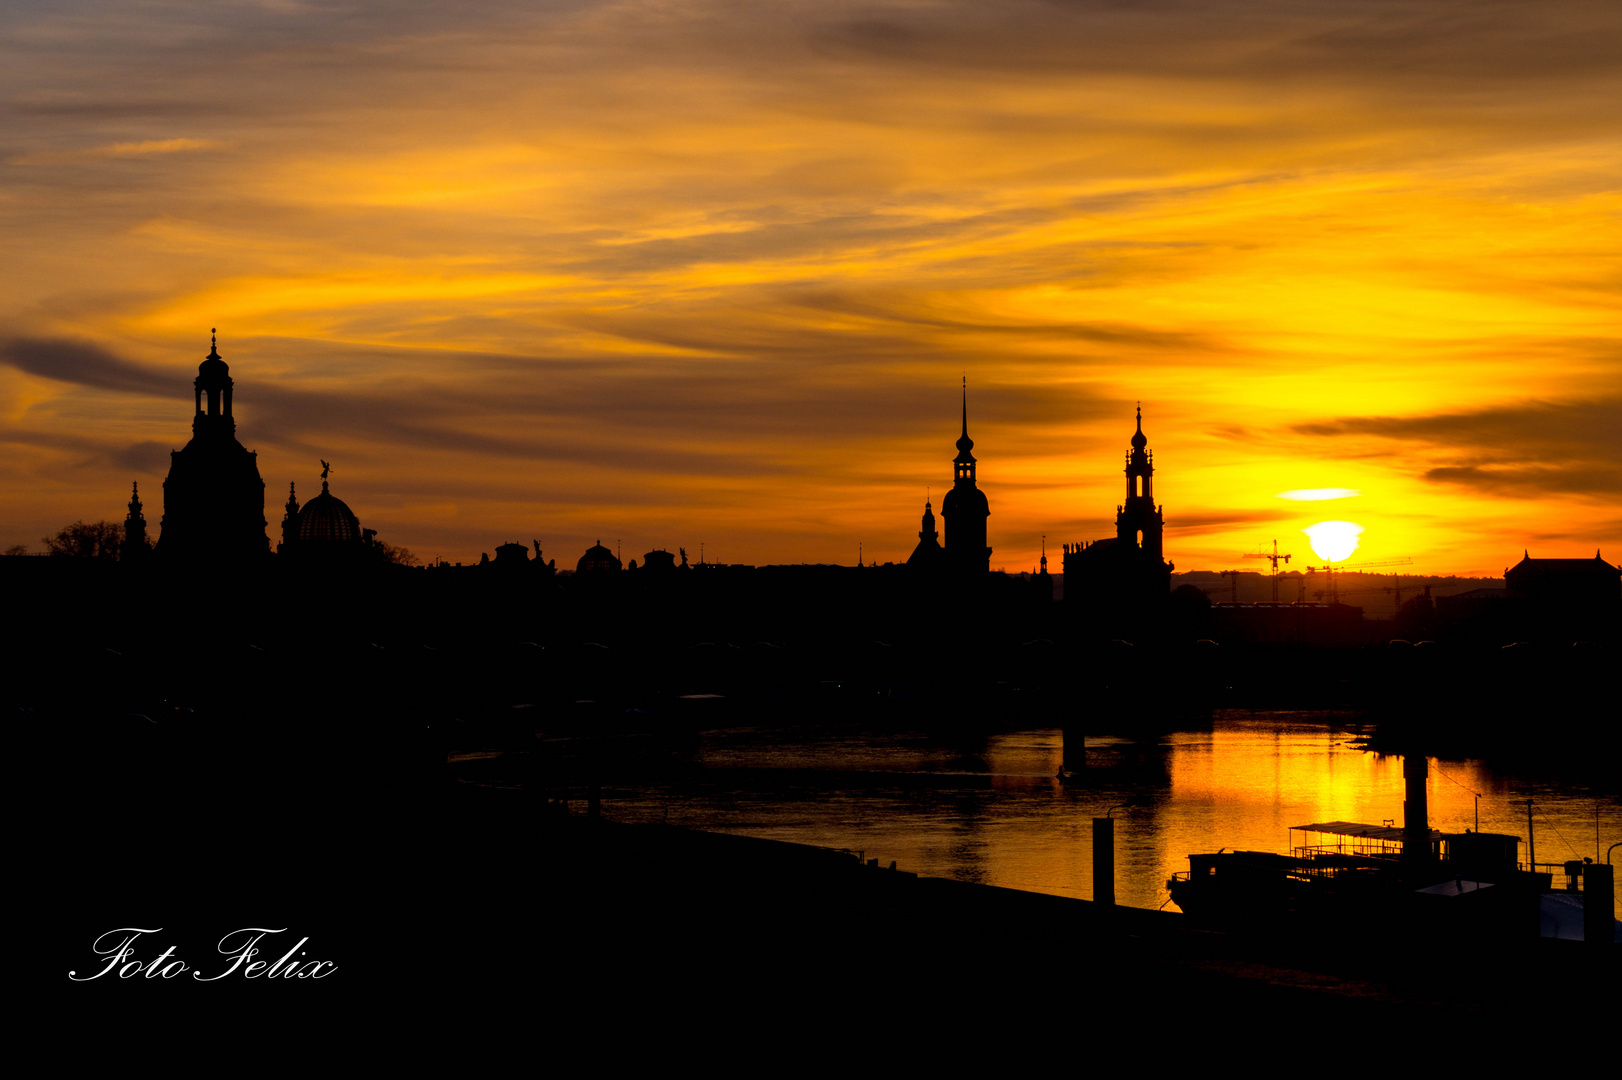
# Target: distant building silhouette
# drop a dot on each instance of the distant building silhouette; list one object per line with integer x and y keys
{"x": 965, "y": 508}
{"x": 290, "y": 511}
{"x": 213, "y": 498}
{"x": 135, "y": 545}
{"x": 928, "y": 555}
{"x": 1125, "y": 573}
{"x": 1565, "y": 599}
{"x": 1573, "y": 583}
{"x": 597, "y": 557}
{"x": 660, "y": 561}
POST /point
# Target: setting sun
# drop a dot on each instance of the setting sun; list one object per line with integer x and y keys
{"x": 1333, "y": 541}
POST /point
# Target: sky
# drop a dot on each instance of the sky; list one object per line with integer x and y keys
{"x": 672, "y": 274}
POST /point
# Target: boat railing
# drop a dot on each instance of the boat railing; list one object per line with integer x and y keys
{"x": 1565, "y": 876}
{"x": 1377, "y": 853}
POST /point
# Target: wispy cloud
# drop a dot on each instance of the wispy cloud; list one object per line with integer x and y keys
{"x": 1526, "y": 450}
{"x": 115, "y": 150}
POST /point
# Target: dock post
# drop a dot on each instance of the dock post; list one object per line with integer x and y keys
{"x": 1599, "y": 899}
{"x": 594, "y": 776}
{"x": 1416, "y": 843}
{"x": 1104, "y": 860}
{"x": 1074, "y": 746}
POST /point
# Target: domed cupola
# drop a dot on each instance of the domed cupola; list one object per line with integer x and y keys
{"x": 1139, "y": 440}
{"x": 597, "y": 557}
{"x": 327, "y": 518}
{"x": 212, "y": 389}
{"x": 214, "y": 372}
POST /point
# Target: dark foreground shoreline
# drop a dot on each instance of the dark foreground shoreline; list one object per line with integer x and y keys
{"x": 478, "y": 902}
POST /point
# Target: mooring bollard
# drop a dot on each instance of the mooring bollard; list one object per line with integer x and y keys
{"x": 1074, "y": 748}
{"x": 1599, "y": 899}
{"x": 1104, "y": 860}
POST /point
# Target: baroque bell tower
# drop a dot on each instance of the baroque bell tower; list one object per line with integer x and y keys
{"x": 213, "y": 497}
{"x": 965, "y": 508}
{"x": 1138, "y": 520}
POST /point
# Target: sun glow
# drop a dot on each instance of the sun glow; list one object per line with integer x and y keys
{"x": 1333, "y": 541}
{"x": 1318, "y": 494}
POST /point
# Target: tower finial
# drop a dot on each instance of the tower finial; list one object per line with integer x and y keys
{"x": 964, "y": 443}
{"x": 213, "y": 343}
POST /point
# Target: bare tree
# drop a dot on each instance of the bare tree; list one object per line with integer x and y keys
{"x": 95, "y": 540}
{"x": 395, "y": 554}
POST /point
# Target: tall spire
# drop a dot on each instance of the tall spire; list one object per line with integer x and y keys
{"x": 135, "y": 544}
{"x": 964, "y": 443}
{"x": 965, "y": 508}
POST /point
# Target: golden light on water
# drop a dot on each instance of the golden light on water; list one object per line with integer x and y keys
{"x": 1333, "y": 541}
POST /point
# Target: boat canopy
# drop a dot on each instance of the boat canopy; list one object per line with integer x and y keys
{"x": 1386, "y": 833}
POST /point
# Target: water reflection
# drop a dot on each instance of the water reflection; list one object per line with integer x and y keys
{"x": 992, "y": 809}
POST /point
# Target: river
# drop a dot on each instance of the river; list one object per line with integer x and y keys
{"x": 990, "y": 808}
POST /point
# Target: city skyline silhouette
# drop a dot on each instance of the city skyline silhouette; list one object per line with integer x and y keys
{"x": 218, "y": 507}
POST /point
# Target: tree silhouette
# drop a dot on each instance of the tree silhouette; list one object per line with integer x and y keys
{"x": 95, "y": 540}
{"x": 394, "y": 553}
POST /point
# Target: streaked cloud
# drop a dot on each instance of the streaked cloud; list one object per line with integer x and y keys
{"x": 115, "y": 150}
{"x": 713, "y": 266}
{"x": 1318, "y": 494}
{"x": 1525, "y": 450}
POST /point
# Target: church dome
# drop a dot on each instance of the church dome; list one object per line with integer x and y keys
{"x": 597, "y": 557}
{"x": 327, "y": 517}
{"x": 213, "y": 371}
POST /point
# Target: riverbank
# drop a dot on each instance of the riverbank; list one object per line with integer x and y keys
{"x": 487, "y": 914}
{"x": 676, "y": 912}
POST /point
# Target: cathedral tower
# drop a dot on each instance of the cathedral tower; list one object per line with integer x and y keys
{"x": 965, "y": 508}
{"x": 1137, "y": 520}
{"x": 213, "y": 498}
{"x": 1120, "y": 584}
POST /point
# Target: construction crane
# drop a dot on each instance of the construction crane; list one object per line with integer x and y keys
{"x": 1334, "y": 594}
{"x": 1274, "y": 559}
{"x": 1234, "y": 574}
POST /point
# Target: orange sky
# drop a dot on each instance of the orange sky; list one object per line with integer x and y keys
{"x": 672, "y": 274}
